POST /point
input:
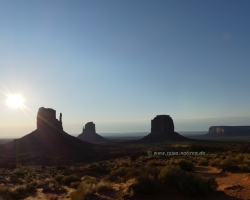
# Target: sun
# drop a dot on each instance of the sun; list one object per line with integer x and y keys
{"x": 15, "y": 101}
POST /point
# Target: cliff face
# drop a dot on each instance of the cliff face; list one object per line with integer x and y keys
{"x": 162, "y": 129}
{"x": 229, "y": 131}
{"x": 89, "y": 134}
{"x": 46, "y": 119}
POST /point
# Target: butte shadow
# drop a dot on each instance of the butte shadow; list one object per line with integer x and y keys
{"x": 49, "y": 144}
{"x": 89, "y": 134}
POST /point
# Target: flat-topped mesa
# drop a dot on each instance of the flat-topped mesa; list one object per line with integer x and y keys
{"x": 89, "y": 128}
{"x": 228, "y": 131}
{"x": 46, "y": 118}
{"x": 162, "y": 123}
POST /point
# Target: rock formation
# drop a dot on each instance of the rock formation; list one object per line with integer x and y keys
{"x": 49, "y": 144}
{"x": 162, "y": 129}
{"x": 46, "y": 118}
{"x": 89, "y": 134}
{"x": 229, "y": 131}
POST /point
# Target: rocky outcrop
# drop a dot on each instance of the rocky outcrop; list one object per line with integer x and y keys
{"x": 162, "y": 129}
{"x": 46, "y": 119}
{"x": 229, "y": 131}
{"x": 89, "y": 134}
{"x": 49, "y": 144}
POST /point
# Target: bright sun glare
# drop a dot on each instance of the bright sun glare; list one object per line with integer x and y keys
{"x": 15, "y": 101}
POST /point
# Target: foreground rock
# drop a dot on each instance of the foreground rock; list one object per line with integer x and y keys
{"x": 229, "y": 131}
{"x": 89, "y": 134}
{"x": 162, "y": 130}
{"x": 48, "y": 145}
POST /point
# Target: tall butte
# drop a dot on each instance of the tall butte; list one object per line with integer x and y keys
{"x": 89, "y": 134}
{"x": 49, "y": 144}
{"x": 162, "y": 130}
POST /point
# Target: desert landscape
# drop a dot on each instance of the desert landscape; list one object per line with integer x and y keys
{"x": 124, "y": 100}
{"x": 50, "y": 164}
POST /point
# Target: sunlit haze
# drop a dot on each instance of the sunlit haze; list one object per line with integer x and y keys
{"x": 121, "y": 63}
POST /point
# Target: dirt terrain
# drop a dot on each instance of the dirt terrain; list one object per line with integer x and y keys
{"x": 232, "y": 184}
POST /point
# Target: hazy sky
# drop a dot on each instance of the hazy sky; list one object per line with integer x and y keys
{"x": 121, "y": 63}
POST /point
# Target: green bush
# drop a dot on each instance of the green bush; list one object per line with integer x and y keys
{"x": 185, "y": 165}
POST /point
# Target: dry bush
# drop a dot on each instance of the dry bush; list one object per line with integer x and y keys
{"x": 86, "y": 191}
{"x": 203, "y": 162}
{"x": 188, "y": 182}
{"x": 144, "y": 185}
{"x": 75, "y": 184}
{"x": 185, "y": 164}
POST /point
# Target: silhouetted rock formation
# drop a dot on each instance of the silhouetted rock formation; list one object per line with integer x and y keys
{"x": 89, "y": 134}
{"x": 49, "y": 144}
{"x": 46, "y": 118}
{"x": 162, "y": 129}
{"x": 229, "y": 131}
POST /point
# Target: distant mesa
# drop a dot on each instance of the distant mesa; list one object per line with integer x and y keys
{"x": 162, "y": 130}
{"x": 229, "y": 131}
{"x": 49, "y": 144}
{"x": 89, "y": 134}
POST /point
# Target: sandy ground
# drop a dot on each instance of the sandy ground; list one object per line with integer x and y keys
{"x": 232, "y": 184}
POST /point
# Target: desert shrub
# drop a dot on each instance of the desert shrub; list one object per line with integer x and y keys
{"x": 193, "y": 184}
{"x": 143, "y": 186}
{"x": 228, "y": 165}
{"x": 67, "y": 180}
{"x": 5, "y": 191}
{"x": 89, "y": 180}
{"x": 133, "y": 157}
{"x": 245, "y": 161}
{"x": 153, "y": 163}
{"x": 75, "y": 184}
{"x": 239, "y": 157}
{"x": 59, "y": 178}
{"x": 244, "y": 167}
{"x": 188, "y": 182}
{"x": 212, "y": 184}
{"x": 18, "y": 192}
{"x": 203, "y": 162}
{"x": 119, "y": 172}
{"x": 86, "y": 191}
{"x": 185, "y": 165}
{"x": 171, "y": 174}
{"x": 19, "y": 172}
{"x": 215, "y": 163}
